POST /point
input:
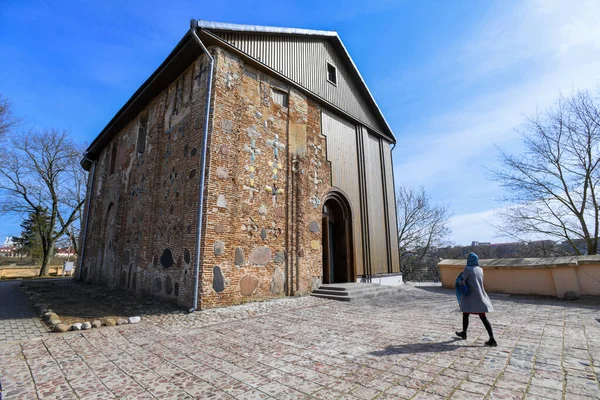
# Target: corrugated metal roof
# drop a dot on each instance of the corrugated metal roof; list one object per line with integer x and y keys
{"x": 183, "y": 54}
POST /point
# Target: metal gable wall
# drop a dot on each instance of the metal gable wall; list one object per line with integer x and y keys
{"x": 342, "y": 152}
{"x": 303, "y": 59}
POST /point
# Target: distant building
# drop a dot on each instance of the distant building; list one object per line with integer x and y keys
{"x": 64, "y": 253}
{"x": 477, "y": 244}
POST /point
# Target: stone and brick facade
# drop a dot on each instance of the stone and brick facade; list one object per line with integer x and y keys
{"x": 267, "y": 176}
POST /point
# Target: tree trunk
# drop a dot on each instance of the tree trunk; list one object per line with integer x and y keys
{"x": 46, "y": 257}
{"x": 45, "y": 265}
{"x": 592, "y": 247}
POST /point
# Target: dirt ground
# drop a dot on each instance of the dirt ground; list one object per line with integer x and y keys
{"x": 79, "y": 302}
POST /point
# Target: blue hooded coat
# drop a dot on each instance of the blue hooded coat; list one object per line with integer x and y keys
{"x": 477, "y": 301}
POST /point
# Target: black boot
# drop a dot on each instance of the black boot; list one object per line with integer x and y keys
{"x": 491, "y": 342}
{"x": 465, "y": 321}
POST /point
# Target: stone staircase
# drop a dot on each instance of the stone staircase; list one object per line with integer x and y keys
{"x": 353, "y": 291}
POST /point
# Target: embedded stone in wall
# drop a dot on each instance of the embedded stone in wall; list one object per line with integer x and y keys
{"x": 314, "y": 227}
{"x": 189, "y": 228}
{"x": 222, "y": 173}
{"x": 263, "y": 234}
{"x": 224, "y": 150}
{"x": 219, "y": 247}
{"x": 156, "y": 285}
{"x": 245, "y": 208}
{"x": 260, "y": 256}
{"x": 277, "y": 282}
{"x": 186, "y": 256}
{"x": 166, "y": 259}
{"x": 192, "y": 173}
{"x": 219, "y": 228}
{"x": 298, "y": 139}
{"x": 227, "y": 125}
{"x": 315, "y": 244}
{"x": 126, "y": 257}
{"x": 239, "y": 256}
{"x": 248, "y": 285}
{"x": 194, "y": 151}
{"x": 221, "y": 202}
{"x": 316, "y": 283}
{"x": 279, "y": 212}
{"x": 218, "y": 279}
{"x": 168, "y": 285}
{"x": 279, "y": 257}
{"x": 262, "y": 210}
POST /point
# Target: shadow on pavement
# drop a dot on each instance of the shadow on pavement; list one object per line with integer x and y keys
{"x": 434, "y": 347}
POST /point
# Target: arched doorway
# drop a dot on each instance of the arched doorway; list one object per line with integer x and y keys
{"x": 338, "y": 254}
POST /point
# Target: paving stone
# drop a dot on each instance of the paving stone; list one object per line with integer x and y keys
{"x": 314, "y": 348}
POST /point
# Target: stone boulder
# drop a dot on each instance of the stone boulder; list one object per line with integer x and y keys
{"x": 86, "y": 325}
{"x": 134, "y": 320}
{"x": 96, "y": 323}
{"x": 277, "y": 282}
{"x": 110, "y": 322}
{"x": 570, "y": 295}
{"x": 260, "y": 256}
{"x": 60, "y": 328}
{"x": 248, "y": 285}
{"x": 50, "y": 316}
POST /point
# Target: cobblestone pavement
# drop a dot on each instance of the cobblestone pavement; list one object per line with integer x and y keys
{"x": 395, "y": 347}
{"x": 18, "y": 321}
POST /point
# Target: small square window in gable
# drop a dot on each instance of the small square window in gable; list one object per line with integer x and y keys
{"x": 331, "y": 74}
{"x": 279, "y": 97}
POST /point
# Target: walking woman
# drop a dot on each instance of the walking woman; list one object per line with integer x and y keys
{"x": 477, "y": 301}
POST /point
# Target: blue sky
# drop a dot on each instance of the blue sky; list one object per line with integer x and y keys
{"x": 454, "y": 79}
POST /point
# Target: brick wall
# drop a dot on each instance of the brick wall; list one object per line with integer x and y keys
{"x": 143, "y": 216}
{"x": 258, "y": 243}
{"x": 266, "y": 178}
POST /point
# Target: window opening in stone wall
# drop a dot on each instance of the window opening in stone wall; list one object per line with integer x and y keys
{"x": 142, "y": 132}
{"x": 331, "y": 74}
{"x": 279, "y": 97}
{"x": 113, "y": 158}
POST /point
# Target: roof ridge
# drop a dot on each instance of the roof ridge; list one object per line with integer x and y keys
{"x": 226, "y": 26}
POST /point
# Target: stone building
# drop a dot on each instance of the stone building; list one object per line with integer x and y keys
{"x": 294, "y": 181}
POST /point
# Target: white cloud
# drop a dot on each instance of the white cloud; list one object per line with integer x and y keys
{"x": 475, "y": 227}
{"x": 515, "y": 60}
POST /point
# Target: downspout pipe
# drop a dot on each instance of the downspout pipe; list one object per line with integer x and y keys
{"x": 87, "y": 215}
{"x": 193, "y": 27}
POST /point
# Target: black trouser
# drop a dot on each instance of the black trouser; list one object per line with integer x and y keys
{"x": 486, "y": 323}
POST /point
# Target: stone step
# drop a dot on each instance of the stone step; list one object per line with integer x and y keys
{"x": 353, "y": 291}
{"x": 332, "y": 297}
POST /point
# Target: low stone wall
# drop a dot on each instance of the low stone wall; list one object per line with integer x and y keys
{"x": 563, "y": 277}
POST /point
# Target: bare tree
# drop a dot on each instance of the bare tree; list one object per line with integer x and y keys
{"x": 422, "y": 225}
{"x": 554, "y": 184}
{"x": 74, "y": 196}
{"x": 7, "y": 119}
{"x": 37, "y": 177}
